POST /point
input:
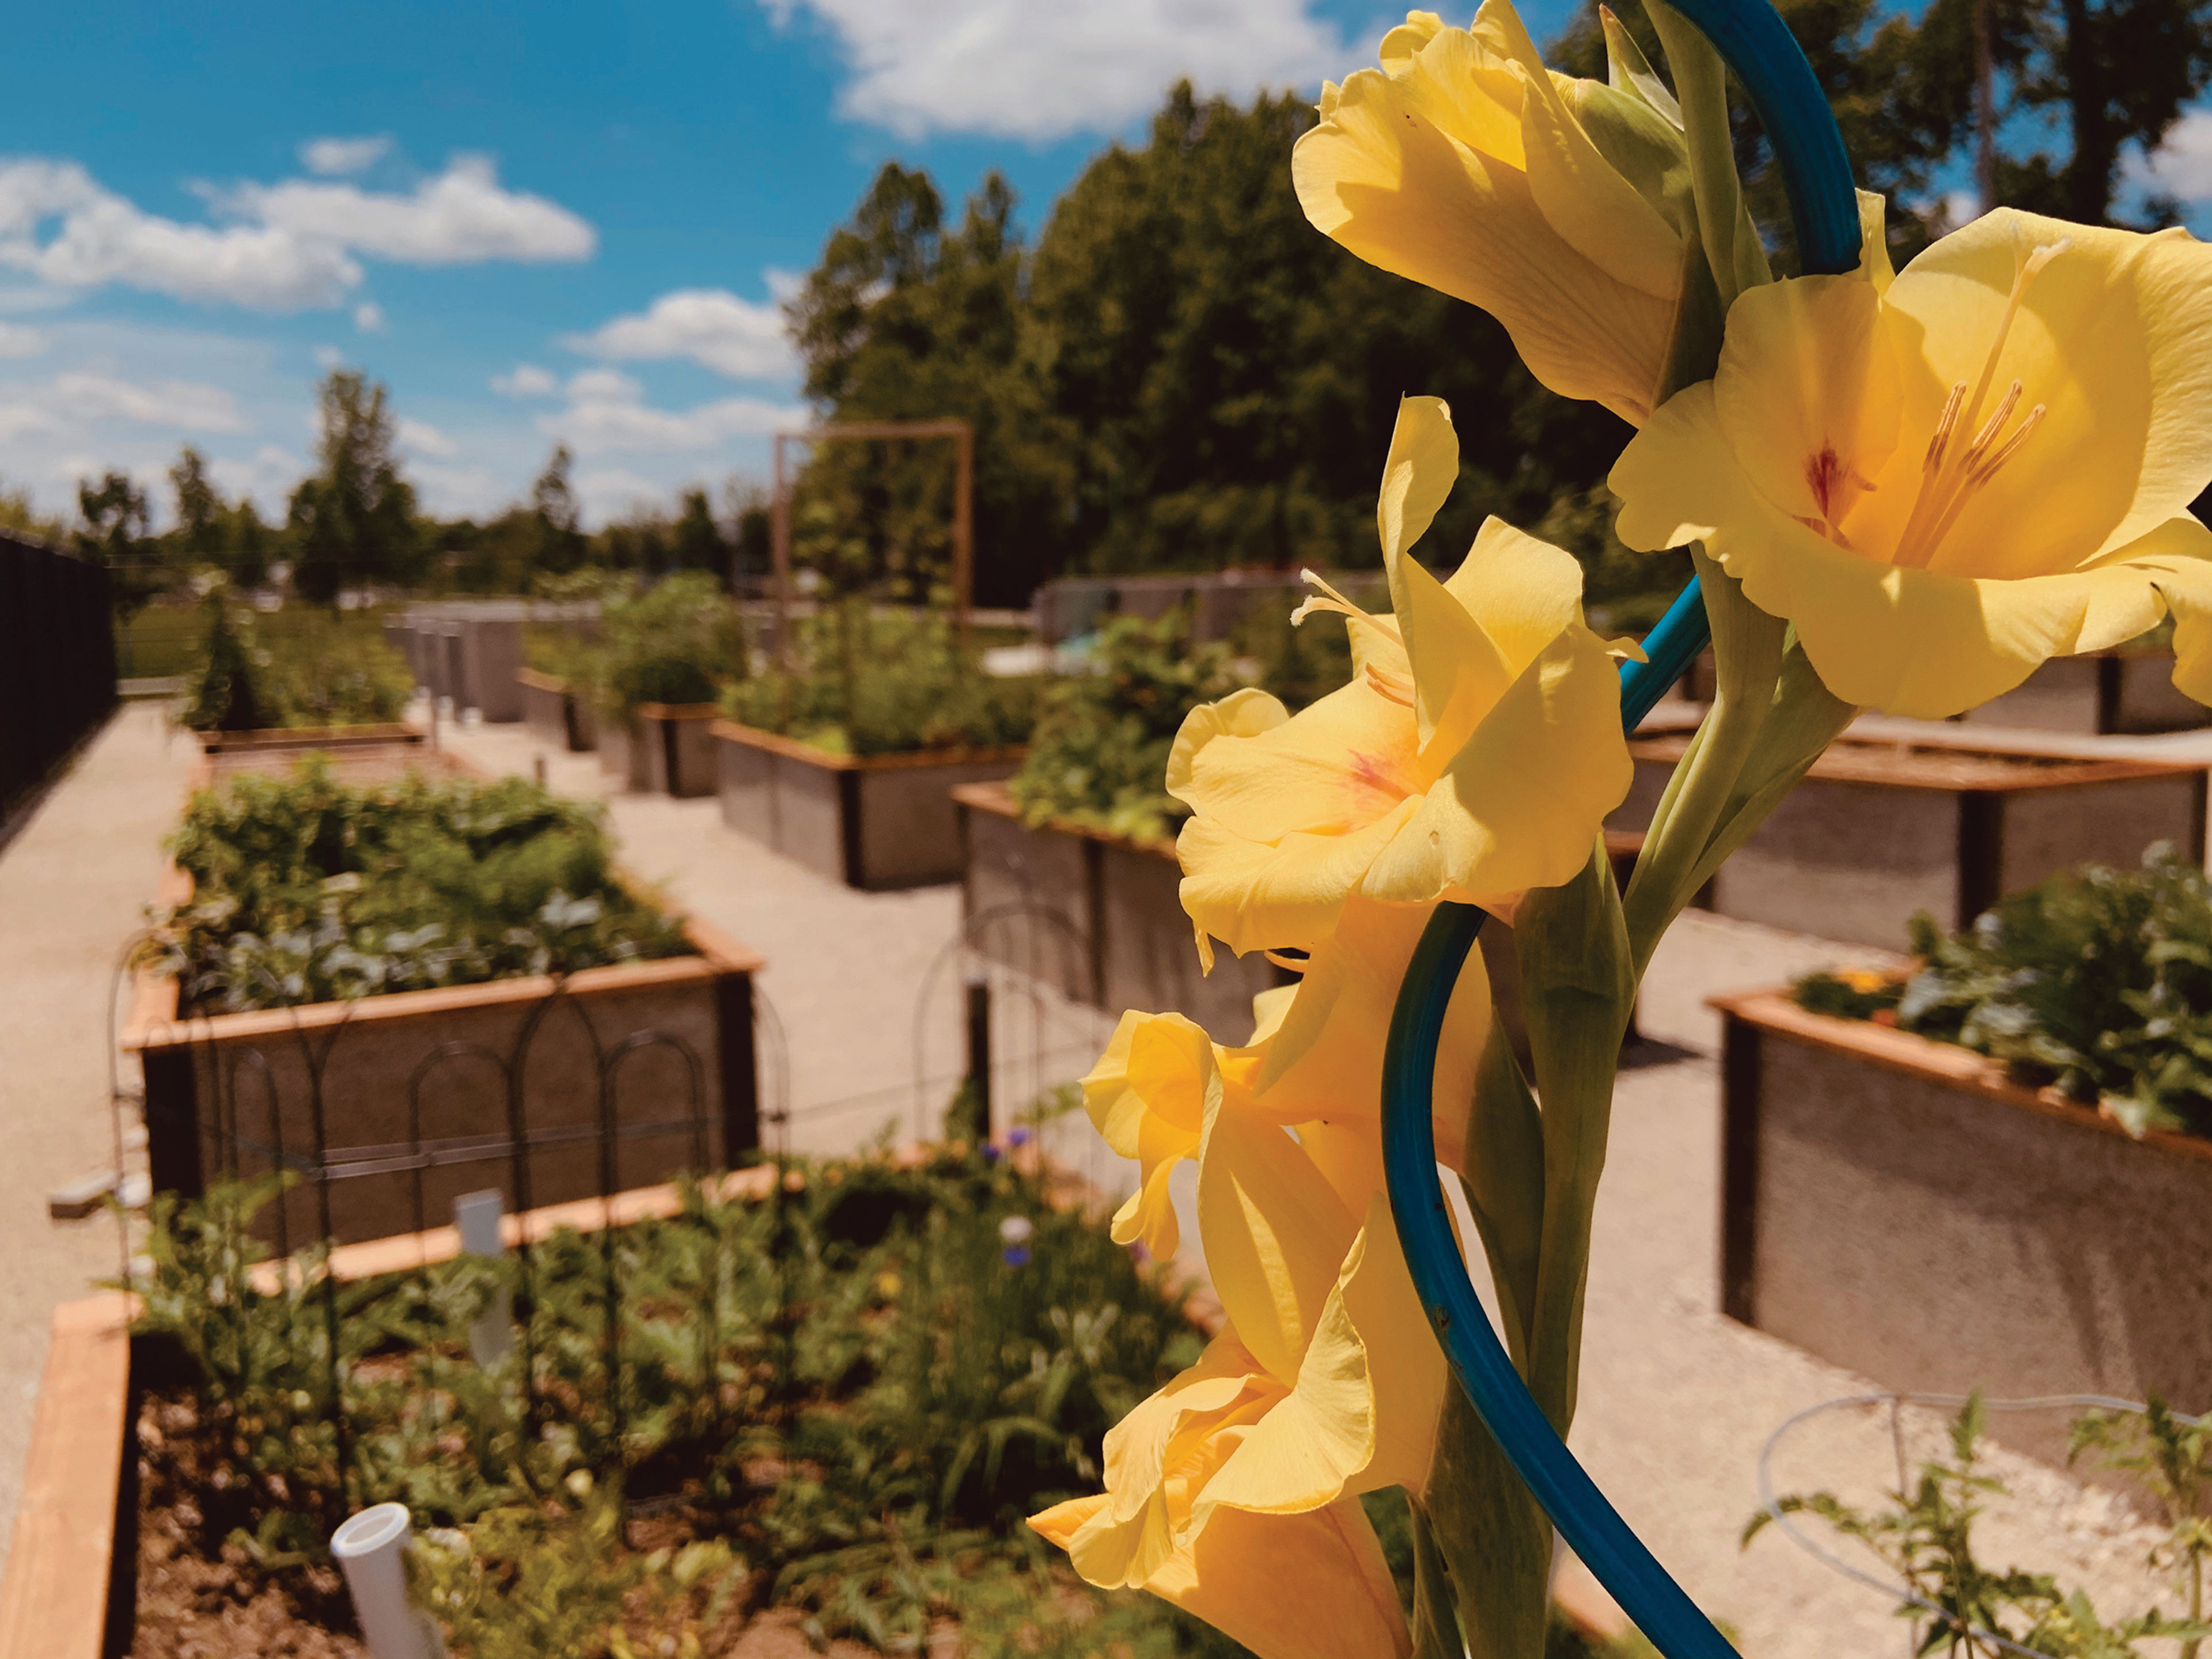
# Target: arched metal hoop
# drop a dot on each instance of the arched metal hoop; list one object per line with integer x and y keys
{"x": 1752, "y": 39}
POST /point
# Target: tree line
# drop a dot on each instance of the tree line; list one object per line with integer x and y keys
{"x": 353, "y": 523}
{"x": 1179, "y": 372}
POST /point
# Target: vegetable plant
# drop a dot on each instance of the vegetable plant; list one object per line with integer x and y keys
{"x": 319, "y": 671}
{"x": 2096, "y": 981}
{"x": 306, "y": 889}
{"x": 869, "y": 682}
{"x": 677, "y": 642}
{"x": 1100, "y": 751}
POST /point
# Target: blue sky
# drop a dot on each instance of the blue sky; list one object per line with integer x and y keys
{"x": 567, "y": 222}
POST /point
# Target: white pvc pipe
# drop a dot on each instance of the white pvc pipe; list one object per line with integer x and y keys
{"x": 370, "y": 1548}
{"x": 476, "y": 1218}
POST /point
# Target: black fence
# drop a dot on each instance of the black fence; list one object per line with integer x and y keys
{"x": 56, "y": 660}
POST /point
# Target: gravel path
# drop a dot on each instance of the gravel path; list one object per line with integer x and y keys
{"x": 74, "y": 881}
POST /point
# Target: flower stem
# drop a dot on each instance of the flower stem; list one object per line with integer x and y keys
{"x": 1732, "y": 245}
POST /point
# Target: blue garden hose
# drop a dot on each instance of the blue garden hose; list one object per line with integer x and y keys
{"x": 1752, "y": 39}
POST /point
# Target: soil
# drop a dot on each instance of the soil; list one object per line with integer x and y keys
{"x": 199, "y": 1597}
{"x": 202, "y": 1597}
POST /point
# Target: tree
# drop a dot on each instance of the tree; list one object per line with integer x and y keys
{"x": 561, "y": 545}
{"x": 352, "y": 522}
{"x": 248, "y": 540}
{"x": 696, "y": 540}
{"x": 114, "y": 533}
{"x": 198, "y": 538}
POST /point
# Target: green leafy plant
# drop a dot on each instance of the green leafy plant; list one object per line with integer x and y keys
{"x": 884, "y": 683}
{"x": 1925, "y": 1535}
{"x": 1102, "y": 740}
{"x": 2171, "y": 1456}
{"x": 319, "y": 671}
{"x": 843, "y": 1397}
{"x": 309, "y": 889}
{"x": 677, "y": 642}
{"x": 2096, "y": 981}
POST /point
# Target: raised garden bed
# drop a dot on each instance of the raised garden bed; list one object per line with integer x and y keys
{"x": 359, "y": 754}
{"x": 663, "y": 749}
{"x": 2099, "y": 694}
{"x": 678, "y": 747}
{"x": 1902, "y": 1208}
{"x": 553, "y": 713}
{"x": 870, "y": 821}
{"x": 424, "y": 1095}
{"x": 1879, "y": 831}
{"x": 424, "y": 988}
{"x": 1095, "y": 915}
{"x": 765, "y": 1467}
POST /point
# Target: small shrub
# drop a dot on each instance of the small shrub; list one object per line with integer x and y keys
{"x": 308, "y": 889}
{"x": 678, "y": 642}
{"x": 1100, "y": 752}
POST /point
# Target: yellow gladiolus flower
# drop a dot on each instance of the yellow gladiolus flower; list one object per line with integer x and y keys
{"x": 1945, "y": 478}
{"x": 1465, "y": 164}
{"x": 1315, "y": 1060}
{"x": 1234, "y": 1491}
{"x": 1473, "y": 755}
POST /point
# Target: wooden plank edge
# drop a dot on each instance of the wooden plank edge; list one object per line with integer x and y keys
{"x": 1925, "y": 1058}
{"x": 807, "y": 754}
{"x": 54, "y": 1599}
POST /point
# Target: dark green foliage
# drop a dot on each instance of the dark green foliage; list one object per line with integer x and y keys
{"x": 1926, "y": 1536}
{"x": 316, "y": 672}
{"x": 874, "y": 682}
{"x": 1848, "y": 996}
{"x": 677, "y": 642}
{"x": 351, "y": 523}
{"x": 1100, "y": 751}
{"x": 308, "y": 890}
{"x": 225, "y": 697}
{"x": 846, "y": 1388}
{"x": 113, "y": 534}
{"x": 1181, "y": 373}
{"x": 2095, "y": 982}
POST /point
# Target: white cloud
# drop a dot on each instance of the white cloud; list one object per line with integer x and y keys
{"x": 74, "y": 403}
{"x": 526, "y": 381}
{"x": 328, "y": 356}
{"x": 710, "y": 327}
{"x": 104, "y": 238}
{"x": 294, "y": 244}
{"x": 1043, "y": 72}
{"x": 2181, "y": 166}
{"x": 339, "y": 155}
{"x": 424, "y": 439}
{"x": 16, "y": 341}
{"x": 476, "y": 491}
{"x": 607, "y": 412}
{"x": 463, "y": 216}
{"x": 368, "y": 317}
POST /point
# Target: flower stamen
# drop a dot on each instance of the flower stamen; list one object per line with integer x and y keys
{"x": 1949, "y": 479}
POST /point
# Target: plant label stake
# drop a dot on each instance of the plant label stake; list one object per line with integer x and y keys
{"x": 476, "y": 1217}
{"x": 371, "y": 1549}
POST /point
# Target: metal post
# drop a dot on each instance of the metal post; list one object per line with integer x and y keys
{"x": 979, "y": 1053}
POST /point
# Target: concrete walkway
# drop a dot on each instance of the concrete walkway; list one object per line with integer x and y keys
{"x": 74, "y": 884}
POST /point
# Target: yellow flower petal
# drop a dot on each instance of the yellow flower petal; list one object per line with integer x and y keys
{"x": 1363, "y": 1413}
{"x": 1312, "y": 1586}
{"x": 1275, "y": 1234}
{"x": 1423, "y": 169}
